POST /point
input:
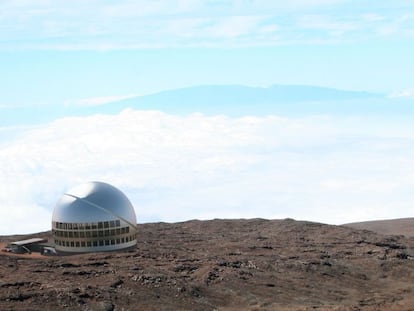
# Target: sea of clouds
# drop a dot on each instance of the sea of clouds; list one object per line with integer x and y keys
{"x": 174, "y": 168}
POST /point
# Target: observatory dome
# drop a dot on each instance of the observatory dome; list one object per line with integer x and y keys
{"x": 93, "y": 217}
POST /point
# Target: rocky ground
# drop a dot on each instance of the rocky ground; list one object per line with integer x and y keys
{"x": 402, "y": 226}
{"x": 222, "y": 265}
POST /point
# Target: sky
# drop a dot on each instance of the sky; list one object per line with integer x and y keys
{"x": 332, "y": 169}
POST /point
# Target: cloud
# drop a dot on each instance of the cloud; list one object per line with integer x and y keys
{"x": 97, "y": 25}
{"x": 335, "y": 28}
{"x": 408, "y": 93}
{"x": 175, "y": 168}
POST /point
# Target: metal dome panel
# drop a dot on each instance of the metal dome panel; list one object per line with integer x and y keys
{"x": 94, "y": 201}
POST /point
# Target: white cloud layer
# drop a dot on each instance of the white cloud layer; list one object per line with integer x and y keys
{"x": 175, "y": 168}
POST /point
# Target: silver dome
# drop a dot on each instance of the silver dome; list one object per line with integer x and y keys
{"x": 93, "y": 217}
{"x": 94, "y": 201}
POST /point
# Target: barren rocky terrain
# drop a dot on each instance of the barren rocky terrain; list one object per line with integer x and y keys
{"x": 222, "y": 265}
{"x": 402, "y": 226}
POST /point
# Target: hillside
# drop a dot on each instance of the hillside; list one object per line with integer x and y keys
{"x": 403, "y": 226}
{"x": 222, "y": 265}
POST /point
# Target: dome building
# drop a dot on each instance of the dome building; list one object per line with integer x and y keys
{"x": 93, "y": 217}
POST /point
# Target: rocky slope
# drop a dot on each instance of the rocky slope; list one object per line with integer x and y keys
{"x": 222, "y": 265}
{"x": 402, "y": 226}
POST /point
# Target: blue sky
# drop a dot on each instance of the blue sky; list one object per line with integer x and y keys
{"x": 333, "y": 169}
{"x": 52, "y": 51}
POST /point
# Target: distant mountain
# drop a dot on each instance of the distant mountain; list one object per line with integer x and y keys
{"x": 232, "y": 100}
{"x": 402, "y": 226}
{"x": 243, "y": 100}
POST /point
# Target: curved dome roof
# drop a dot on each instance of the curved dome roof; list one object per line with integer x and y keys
{"x": 92, "y": 202}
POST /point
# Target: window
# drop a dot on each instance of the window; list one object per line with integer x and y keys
{"x": 112, "y": 231}
{"x": 122, "y": 240}
{"x": 112, "y": 223}
{"x": 83, "y": 243}
{"x": 87, "y": 226}
{"x": 72, "y": 244}
{"x": 95, "y": 243}
{"x": 106, "y": 242}
{"x": 75, "y": 234}
{"x": 101, "y": 243}
{"x": 127, "y": 229}
{"x": 100, "y": 233}
{"x": 118, "y": 223}
{"x": 88, "y": 243}
{"x": 118, "y": 231}
{"x": 112, "y": 242}
{"x": 118, "y": 241}
{"x": 94, "y": 234}
{"x": 81, "y": 234}
{"x": 77, "y": 244}
{"x": 106, "y": 224}
{"x": 94, "y": 226}
{"x": 100, "y": 225}
{"x": 88, "y": 234}
{"x": 122, "y": 230}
